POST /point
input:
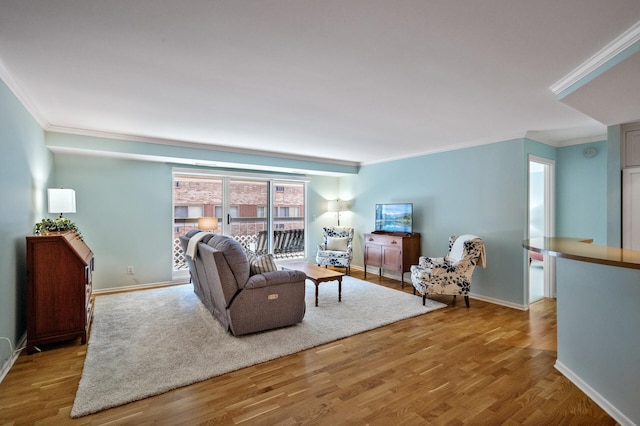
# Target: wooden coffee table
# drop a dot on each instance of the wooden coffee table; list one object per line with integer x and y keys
{"x": 318, "y": 275}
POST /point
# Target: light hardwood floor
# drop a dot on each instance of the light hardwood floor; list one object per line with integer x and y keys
{"x": 485, "y": 365}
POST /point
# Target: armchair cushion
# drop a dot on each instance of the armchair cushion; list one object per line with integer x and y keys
{"x": 337, "y": 243}
{"x": 333, "y": 254}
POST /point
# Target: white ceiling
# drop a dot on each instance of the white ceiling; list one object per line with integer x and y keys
{"x": 357, "y": 80}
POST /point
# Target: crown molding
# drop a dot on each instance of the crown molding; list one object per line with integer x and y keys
{"x": 540, "y": 137}
{"x": 607, "y": 57}
{"x": 188, "y": 162}
{"x": 194, "y": 145}
{"x": 554, "y": 142}
{"x": 581, "y": 141}
{"x": 22, "y": 96}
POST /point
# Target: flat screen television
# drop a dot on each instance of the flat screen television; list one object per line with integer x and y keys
{"x": 396, "y": 217}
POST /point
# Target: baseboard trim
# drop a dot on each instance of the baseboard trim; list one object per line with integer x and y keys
{"x": 396, "y": 276}
{"x": 617, "y": 415}
{"x": 500, "y": 302}
{"x": 111, "y": 290}
{"x": 12, "y": 359}
{"x": 393, "y": 276}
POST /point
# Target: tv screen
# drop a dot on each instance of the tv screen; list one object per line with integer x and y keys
{"x": 394, "y": 217}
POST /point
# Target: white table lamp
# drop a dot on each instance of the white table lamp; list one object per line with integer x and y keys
{"x": 61, "y": 200}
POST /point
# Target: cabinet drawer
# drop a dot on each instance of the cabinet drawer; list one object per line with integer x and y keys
{"x": 385, "y": 240}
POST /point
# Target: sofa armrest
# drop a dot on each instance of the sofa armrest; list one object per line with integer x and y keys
{"x": 275, "y": 278}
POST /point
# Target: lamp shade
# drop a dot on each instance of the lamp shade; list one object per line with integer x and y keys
{"x": 337, "y": 205}
{"x": 61, "y": 200}
{"x": 208, "y": 223}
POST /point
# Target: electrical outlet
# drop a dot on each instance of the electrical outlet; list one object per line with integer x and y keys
{"x": 129, "y": 270}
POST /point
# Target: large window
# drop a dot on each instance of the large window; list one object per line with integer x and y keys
{"x": 194, "y": 197}
{"x": 242, "y": 206}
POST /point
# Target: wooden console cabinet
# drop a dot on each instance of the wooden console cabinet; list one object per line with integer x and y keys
{"x": 59, "y": 279}
{"x": 391, "y": 251}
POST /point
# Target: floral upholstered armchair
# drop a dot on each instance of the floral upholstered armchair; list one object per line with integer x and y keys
{"x": 451, "y": 274}
{"x": 336, "y": 248}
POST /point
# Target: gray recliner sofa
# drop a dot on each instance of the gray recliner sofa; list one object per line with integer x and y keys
{"x": 243, "y": 303}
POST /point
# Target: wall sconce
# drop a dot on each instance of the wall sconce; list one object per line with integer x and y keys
{"x": 61, "y": 200}
{"x": 337, "y": 206}
{"x": 208, "y": 223}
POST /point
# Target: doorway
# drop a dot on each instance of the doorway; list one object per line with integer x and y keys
{"x": 541, "y": 224}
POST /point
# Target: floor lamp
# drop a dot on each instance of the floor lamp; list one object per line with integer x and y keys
{"x": 337, "y": 206}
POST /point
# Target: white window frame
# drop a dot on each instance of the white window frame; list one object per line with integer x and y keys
{"x": 271, "y": 179}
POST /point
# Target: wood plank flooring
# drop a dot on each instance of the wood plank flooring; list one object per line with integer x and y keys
{"x": 485, "y": 365}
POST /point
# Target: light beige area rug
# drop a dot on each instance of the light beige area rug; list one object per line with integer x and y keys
{"x": 149, "y": 342}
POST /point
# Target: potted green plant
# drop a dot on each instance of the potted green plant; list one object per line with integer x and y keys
{"x": 55, "y": 225}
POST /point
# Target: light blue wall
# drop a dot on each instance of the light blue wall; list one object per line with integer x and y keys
{"x": 25, "y": 166}
{"x": 480, "y": 190}
{"x": 582, "y": 193}
{"x": 582, "y": 189}
{"x": 124, "y": 206}
{"x": 598, "y": 323}
{"x": 319, "y": 190}
{"x": 124, "y": 211}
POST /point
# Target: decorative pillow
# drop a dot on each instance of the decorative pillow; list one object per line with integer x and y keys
{"x": 261, "y": 264}
{"x": 337, "y": 243}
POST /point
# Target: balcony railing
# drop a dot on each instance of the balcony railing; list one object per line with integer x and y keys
{"x": 287, "y": 244}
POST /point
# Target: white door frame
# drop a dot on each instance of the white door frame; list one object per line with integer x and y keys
{"x": 630, "y": 210}
{"x": 549, "y": 221}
